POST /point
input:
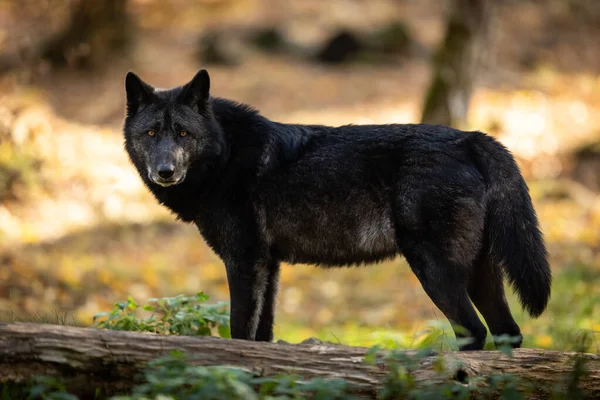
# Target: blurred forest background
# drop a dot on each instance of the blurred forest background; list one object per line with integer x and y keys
{"x": 78, "y": 231}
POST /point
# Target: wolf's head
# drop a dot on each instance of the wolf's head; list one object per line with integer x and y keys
{"x": 167, "y": 132}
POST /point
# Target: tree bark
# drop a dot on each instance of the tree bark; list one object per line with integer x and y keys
{"x": 96, "y": 31}
{"x": 111, "y": 360}
{"x": 456, "y": 62}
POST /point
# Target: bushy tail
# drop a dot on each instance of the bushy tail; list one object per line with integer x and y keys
{"x": 513, "y": 235}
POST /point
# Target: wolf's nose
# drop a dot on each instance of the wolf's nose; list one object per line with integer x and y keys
{"x": 166, "y": 171}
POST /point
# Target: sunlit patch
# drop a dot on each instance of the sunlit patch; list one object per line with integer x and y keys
{"x": 543, "y": 341}
{"x": 324, "y": 316}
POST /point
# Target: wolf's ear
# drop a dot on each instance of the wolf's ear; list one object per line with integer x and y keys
{"x": 196, "y": 93}
{"x": 139, "y": 93}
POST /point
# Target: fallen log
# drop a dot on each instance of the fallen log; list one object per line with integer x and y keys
{"x": 112, "y": 360}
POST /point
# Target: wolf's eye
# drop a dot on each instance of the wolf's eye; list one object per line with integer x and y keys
{"x": 151, "y": 133}
{"x": 183, "y": 133}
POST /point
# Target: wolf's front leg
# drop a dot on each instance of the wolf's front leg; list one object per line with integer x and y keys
{"x": 267, "y": 316}
{"x": 247, "y": 290}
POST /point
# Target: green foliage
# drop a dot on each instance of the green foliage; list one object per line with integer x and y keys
{"x": 451, "y": 381}
{"x": 50, "y": 389}
{"x": 504, "y": 343}
{"x": 438, "y": 336}
{"x": 569, "y": 388}
{"x": 175, "y": 377}
{"x": 172, "y": 377}
{"x": 179, "y": 315}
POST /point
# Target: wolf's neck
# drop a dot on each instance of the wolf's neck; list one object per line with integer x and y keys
{"x": 235, "y": 116}
{"x": 247, "y": 133}
{"x": 253, "y": 146}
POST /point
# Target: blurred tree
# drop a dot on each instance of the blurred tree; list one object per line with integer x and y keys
{"x": 587, "y": 165}
{"x": 456, "y": 62}
{"x": 341, "y": 47}
{"x": 213, "y": 49}
{"x": 96, "y": 30}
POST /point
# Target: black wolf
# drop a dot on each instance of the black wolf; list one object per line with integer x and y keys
{"x": 454, "y": 203}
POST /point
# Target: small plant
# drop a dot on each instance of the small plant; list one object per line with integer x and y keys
{"x": 438, "y": 336}
{"x": 570, "y": 387}
{"x": 179, "y": 315}
{"x": 175, "y": 377}
{"x": 450, "y": 379}
{"x": 47, "y": 388}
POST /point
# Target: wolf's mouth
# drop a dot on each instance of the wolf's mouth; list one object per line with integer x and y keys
{"x": 167, "y": 182}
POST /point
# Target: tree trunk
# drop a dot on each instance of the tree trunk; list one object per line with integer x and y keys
{"x": 111, "y": 360}
{"x": 96, "y": 31}
{"x": 456, "y": 62}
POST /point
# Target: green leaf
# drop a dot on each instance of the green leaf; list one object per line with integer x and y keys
{"x": 371, "y": 355}
{"x": 224, "y": 331}
{"x": 131, "y": 303}
{"x": 100, "y": 315}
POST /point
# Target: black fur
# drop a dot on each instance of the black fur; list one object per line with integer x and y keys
{"x": 453, "y": 203}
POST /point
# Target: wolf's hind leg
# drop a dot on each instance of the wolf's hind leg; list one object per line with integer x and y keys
{"x": 486, "y": 290}
{"x": 446, "y": 285}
